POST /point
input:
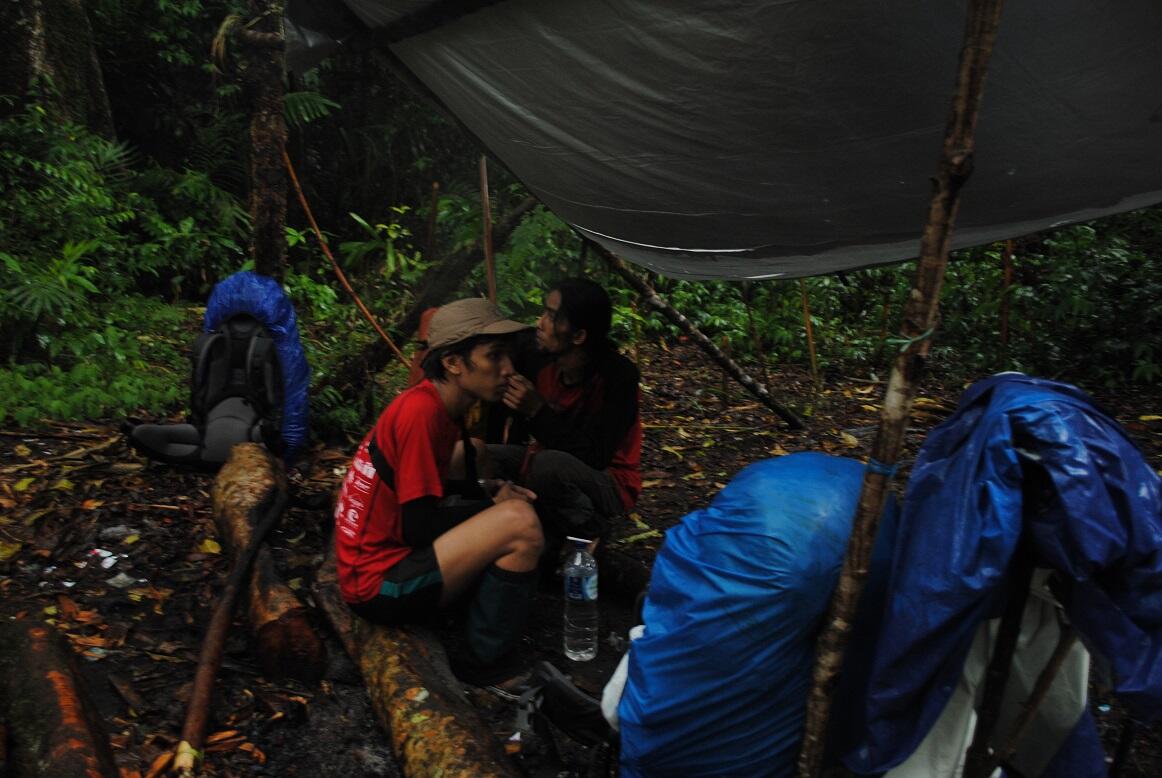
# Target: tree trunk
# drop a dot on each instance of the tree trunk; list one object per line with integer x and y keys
{"x": 263, "y": 77}
{"x": 433, "y": 730}
{"x": 286, "y": 643}
{"x": 51, "y": 40}
{"x": 53, "y": 728}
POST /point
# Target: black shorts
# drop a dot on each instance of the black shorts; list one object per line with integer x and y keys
{"x": 410, "y": 592}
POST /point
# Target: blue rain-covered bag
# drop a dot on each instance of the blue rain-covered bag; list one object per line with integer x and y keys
{"x": 1021, "y": 459}
{"x": 717, "y": 685}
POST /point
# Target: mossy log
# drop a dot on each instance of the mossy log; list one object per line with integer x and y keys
{"x": 433, "y": 728}
{"x": 53, "y": 728}
{"x": 285, "y": 640}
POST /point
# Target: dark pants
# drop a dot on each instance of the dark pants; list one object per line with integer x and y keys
{"x": 572, "y": 497}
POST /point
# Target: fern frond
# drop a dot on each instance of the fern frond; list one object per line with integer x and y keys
{"x": 302, "y": 108}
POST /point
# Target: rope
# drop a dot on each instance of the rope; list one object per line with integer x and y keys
{"x": 335, "y": 265}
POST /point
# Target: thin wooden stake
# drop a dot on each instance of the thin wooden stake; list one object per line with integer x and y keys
{"x": 1007, "y": 264}
{"x": 433, "y": 207}
{"x": 486, "y": 215}
{"x": 919, "y": 322}
{"x": 756, "y": 341}
{"x": 810, "y": 334}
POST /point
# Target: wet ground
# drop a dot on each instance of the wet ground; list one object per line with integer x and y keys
{"x": 121, "y": 555}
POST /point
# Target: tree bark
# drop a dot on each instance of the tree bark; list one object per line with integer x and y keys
{"x": 263, "y": 78}
{"x": 51, "y": 40}
{"x": 53, "y": 728}
{"x": 433, "y": 730}
{"x": 726, "y": 363}
{"x": 286, "y": 642}
{"x": 920, "y": 318}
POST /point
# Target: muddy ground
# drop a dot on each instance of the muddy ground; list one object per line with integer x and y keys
{"x": 121, "y": 555}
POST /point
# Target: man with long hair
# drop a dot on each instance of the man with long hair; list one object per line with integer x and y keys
{"x": 580, "y": 411}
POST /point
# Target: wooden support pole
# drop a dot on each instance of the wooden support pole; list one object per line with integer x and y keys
{"x": 810, "y": 333}
{"x": 434, "y": 731}
{"x": 285, "y": 641}
{"x": 919, "y": 322}
{"x": 53, "y": 728}
{"x": 486, "y": 237}
{"x": 654, "y": 300}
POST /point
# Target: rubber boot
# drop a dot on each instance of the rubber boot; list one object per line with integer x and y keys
{"x": 496, "y": 621}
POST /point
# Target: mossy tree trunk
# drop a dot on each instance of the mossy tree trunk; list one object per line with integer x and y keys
{"x": 264, "y": 47}
{"x": 49, "y": 43}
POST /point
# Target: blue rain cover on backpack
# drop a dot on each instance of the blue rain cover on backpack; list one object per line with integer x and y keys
{"x": 263, "y": 298}
{"x": 1020, "y": 456}
{"x": 717, "y": 685}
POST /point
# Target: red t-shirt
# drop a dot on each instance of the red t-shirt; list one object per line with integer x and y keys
{"x": 417, "y": 436}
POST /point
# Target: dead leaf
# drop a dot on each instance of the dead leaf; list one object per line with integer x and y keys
{"x": 8, "y": 550}
{"x": 210, "y": 546}
{"x": 21, "y": 450}
{"x": 778, "y": 451}
{"x": 1150, "y": 417}
{"x": 63, "y": 485}
{"x": 849, "y": 440}
{"x": 91, "y": 505}
{"x": 23, "y": 484}
{"x": 160, "y": 764}
{"x": 129, "y": 540}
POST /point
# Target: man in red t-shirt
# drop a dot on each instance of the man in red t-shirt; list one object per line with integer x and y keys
{"x": 414, "y": 530}
{"x": 581, "y": 412}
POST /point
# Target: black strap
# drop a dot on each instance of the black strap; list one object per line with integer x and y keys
{"x": 379, "y": 462}
{"x": 387, "y": 475}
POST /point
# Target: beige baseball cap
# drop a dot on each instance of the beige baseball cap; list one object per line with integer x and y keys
{"x": 467, "y": 318}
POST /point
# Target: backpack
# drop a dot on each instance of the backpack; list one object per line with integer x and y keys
{"x": 238, "y": 360}
{"x": 248, "y": 380}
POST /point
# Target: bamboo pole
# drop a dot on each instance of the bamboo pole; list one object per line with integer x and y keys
{"x": 654, "y": 300}
{"x": 919, "y": 322}
{"x": 486, "y": 239}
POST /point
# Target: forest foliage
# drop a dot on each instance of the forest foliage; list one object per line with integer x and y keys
{"x": 108, "y": 248}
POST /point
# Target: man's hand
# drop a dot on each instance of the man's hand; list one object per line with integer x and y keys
{"x": 510, "y": 491}
{"x": 522, "y": 397}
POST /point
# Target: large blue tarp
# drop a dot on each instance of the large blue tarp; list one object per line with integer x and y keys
{"x": 717, "y": 685}
{"x": 1023, "y": 459}
{"x": 263, "y": 298}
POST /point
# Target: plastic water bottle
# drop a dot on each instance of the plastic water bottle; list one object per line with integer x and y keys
{"x": 580, "y": 603}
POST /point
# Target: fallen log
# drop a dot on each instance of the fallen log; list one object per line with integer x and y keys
{"x": 433, "y": 729}
{"x": 270, "y": 506}
{"x": 52, "y": 727}
{"x": 285, "y": 641}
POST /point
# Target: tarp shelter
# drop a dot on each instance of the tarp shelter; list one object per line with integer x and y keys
{"x": 723, "y": 139}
